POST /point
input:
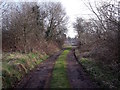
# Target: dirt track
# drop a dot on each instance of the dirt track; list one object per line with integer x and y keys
{"x": 40, "y": 77}
{"x": 77, "y": 77}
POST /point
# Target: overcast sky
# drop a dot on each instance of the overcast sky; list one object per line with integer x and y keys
{"x": 77, "y": 8}
{"x": 74, "y": 9}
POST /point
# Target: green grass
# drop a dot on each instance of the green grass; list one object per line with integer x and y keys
{"x": 16, "y": 65}
{"x": 59, "y": 76}
{"x": 102, "y": 74}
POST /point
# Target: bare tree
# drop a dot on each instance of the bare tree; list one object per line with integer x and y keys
{"x": 27, "y": 26}
{"x": 103, "y": 32}
{"x": 55, "y": 20}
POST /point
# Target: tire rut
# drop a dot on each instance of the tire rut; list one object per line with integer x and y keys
{"x": 40, "y": 76}
{"x": 77, "y": 77}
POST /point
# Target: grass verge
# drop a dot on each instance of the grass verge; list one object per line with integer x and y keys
{"x": 16, "y": 65}
{"x": 102, "y": 74}
{"x": 59, "y": 76}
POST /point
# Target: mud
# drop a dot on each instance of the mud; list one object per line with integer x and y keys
{"x": 77, "y": 76}
{"x": 39, "y": 77}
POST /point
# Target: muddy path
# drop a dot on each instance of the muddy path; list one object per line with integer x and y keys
{"x": 39, "y": 77}
{"x": 77, "y": 76}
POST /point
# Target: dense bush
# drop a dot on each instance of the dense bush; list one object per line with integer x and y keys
{"x": 99, "y": 36}
{"x": 33, "y": 26}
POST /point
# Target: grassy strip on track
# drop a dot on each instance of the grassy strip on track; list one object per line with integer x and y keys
{"x": 16, "y": 65}
{"x": 59, "y": 76}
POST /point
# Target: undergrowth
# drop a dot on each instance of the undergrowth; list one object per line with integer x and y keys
{"x": 101, "y": 73}
{"x": 16, "y": 65}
